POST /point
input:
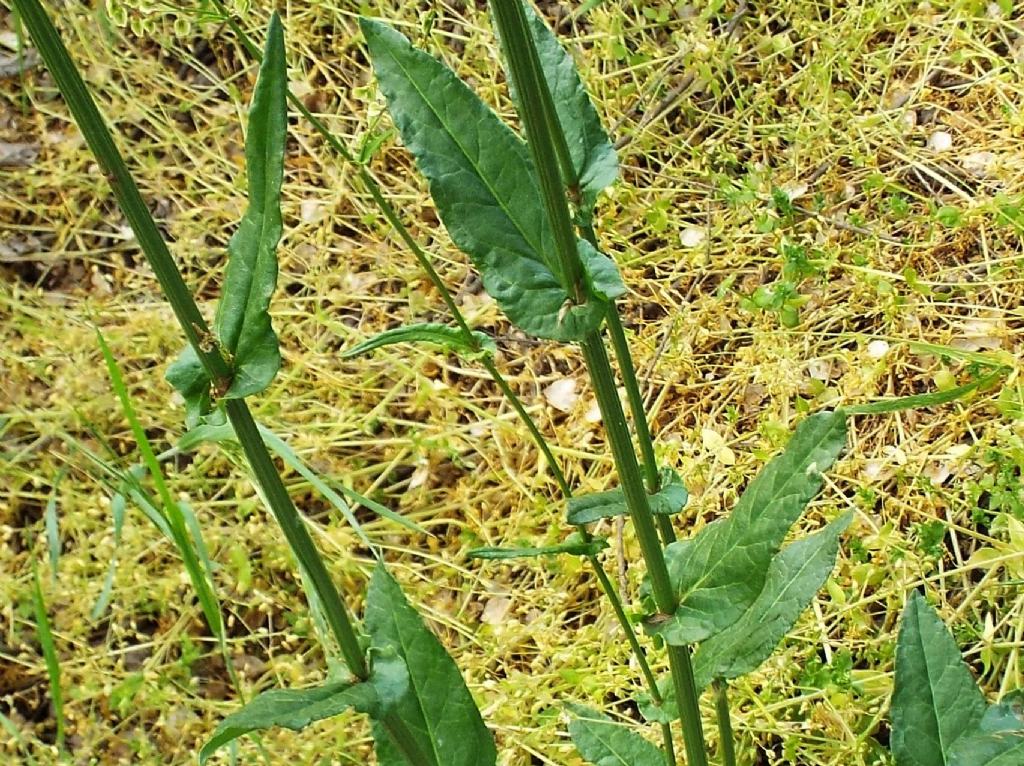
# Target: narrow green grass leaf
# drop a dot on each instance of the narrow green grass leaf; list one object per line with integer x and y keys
{"x": 584, "y": 509}
{"x": 50, "y": 656}
{"x": 293, "y": 709}
{"x": 437, "y": 709}
{"x": 242, "y": 324}
{"x": 15, "y": 734}
{"x": 573, "y": 546}
{"x": 587, "y": 7}
{"x": 219, "y": 433}
{"x": 926, "y": 400}
{"x": 594, "y": 160}
{"x": 721, "y": 571}
{"x": 794, "y": 576}
{"x": 196, "y": 533}
{"x": 117, "y": 508}
{"x": 484, "y": 185}
{"x": 449, "y": 338}
{"x": 200, "y": 578}
{"x": 603, "y": 742}
{"x": 935, "y": 701}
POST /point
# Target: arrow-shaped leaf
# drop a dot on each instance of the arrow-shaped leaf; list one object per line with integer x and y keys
{"x": 484, "y": 185}
{"x": 606, "y": 743}
{"x": 794, "y": 576}
{"x": 722, "y": 570}
{"x": 242, "y": 324}
{"x": 935, "y": 701}
{"x": 296, "y": 709}
{"x": 595, "y": 163}
{"x": 437, "y": 708}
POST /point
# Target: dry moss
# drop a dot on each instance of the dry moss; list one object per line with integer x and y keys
{"x": 840, "y": 107}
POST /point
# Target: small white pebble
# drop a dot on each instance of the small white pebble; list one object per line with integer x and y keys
{"x": 794, "y": 190}
{"x": 979, "y": 163}
{"x": 940, "y": 141}
{"x": 877, "y": 349}
{"x": 691, "y": 236}
{"x": 593, "y": 413}
{"x": 312, "y": 210}
{"x": 819, "y": 369}
{"x": 562, "y": 394}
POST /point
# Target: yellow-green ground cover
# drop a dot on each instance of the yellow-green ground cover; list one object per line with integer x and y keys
{"x": 875, "y": 146}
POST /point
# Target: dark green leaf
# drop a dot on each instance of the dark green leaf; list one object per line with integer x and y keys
{"x": 722, "y": 570}
{"x": 593, "y": 157}
{"x": 603, "y": 742}
{"x": 573, "y": 546}
{"x": 187, "y": 376}
{"x": 450, "y": 338}
{"x": 242, "y": 324}
{"x": 601, "y": 273}
{"x": 484, "y": 185}
{"x": 794, "y": 576}
{"x": 1006, "y": 715}
{"x": 437, "y": 708}
{"x": 670, "y": 499}
{"x": 50, "y": 656}
{"x": 667, "y": 711}
{"x": 935, "y": 700}
{"x": 999, "y": 738}
{"x": 293, "y": 709}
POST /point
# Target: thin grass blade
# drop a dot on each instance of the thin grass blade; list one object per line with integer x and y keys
{"x": 50, "y": 655}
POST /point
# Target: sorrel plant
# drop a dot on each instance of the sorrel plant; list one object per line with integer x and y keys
{"x": 718, "y": 602}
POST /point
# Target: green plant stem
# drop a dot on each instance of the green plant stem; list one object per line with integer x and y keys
{"x": 296, "y": 534}
{"x": 539, "y": 120}
{"x": 627, "y": 370}
{"x": 269, "y": 481}
{"x": 725, "y": 735}
{"x": 640, "y": 514}
{"x": 537, "y": 112}
{"x": 424, "y": 261}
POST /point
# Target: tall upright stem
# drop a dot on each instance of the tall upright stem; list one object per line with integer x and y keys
{"x": 725, "y": 736}
{"x": 640, "y": 514}
{"x": 540, "y": 123}
{"x": 423, "y": 259}
{"x": 93, "y": 127}
{"x": 636, "y": 401}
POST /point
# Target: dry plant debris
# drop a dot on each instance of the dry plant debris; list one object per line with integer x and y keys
{"x": 828, "y": 208}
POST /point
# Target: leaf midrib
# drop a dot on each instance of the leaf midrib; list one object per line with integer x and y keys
{"x": 415, "y": 686}
{"x": 259, "y": 215}
{"x": 776, "y": 498}
{"x": 497, "y": 199}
